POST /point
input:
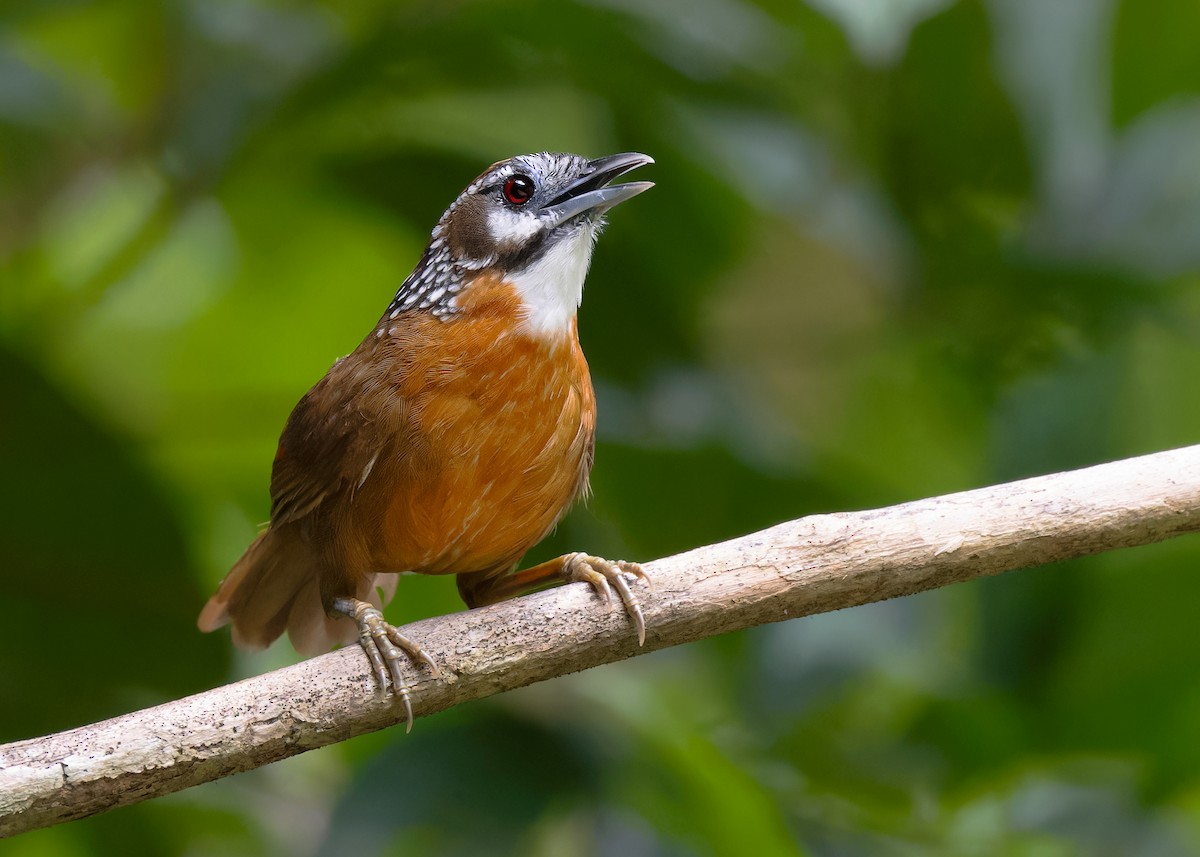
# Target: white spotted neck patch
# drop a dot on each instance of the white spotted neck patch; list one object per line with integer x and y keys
{"x": 433, "y": 285}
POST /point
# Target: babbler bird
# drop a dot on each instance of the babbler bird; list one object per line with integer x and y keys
{"x": 453, "y": 439}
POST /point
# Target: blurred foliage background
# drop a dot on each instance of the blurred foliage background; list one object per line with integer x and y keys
{"x": 896, "y": 249}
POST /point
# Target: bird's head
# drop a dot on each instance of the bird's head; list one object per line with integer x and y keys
{"x": 530, "y": 222}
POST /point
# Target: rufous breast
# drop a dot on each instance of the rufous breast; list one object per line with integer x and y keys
{"x": 503, "y": 427}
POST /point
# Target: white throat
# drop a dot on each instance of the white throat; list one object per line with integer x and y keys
{"x": 552, "y": 287}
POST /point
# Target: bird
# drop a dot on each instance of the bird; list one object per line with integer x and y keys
{"x": 452, "y": 439}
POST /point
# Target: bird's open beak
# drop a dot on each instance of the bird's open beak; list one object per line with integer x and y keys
{"x": 589, "y": 194}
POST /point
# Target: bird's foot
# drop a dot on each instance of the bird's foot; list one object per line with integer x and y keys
{"x": 385, "y": 647}
{"x": 605, "y": 576}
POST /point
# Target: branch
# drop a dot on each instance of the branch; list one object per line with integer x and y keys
{"x": 812, "y": 565}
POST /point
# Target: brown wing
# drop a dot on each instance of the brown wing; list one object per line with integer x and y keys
{"x": 354, "y": 424}
{"x": 311, "y": 461}
{"x": 332, "y": 441}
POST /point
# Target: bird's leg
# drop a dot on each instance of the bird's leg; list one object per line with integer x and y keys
{"x": 385, "y": 648}
{"x": 600, "y": 573}
{"x": 603, "y": 575}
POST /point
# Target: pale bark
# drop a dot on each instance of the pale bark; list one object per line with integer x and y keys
{"x": 812, "y": 565}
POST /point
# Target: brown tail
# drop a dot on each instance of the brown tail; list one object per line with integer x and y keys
{"x": 274, "y": 588}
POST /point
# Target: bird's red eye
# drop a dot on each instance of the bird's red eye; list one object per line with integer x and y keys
{"x": 518, "y": 189}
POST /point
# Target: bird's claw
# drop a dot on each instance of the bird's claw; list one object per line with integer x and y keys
{"x": 604, "y": 575}
{"x": 385, "y": 647}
